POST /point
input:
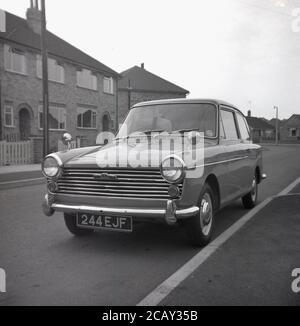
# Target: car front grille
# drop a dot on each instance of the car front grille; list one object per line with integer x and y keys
{"x": 130, "y": 183}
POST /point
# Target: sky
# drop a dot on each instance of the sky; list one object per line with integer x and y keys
{"x": 246, "y": 52}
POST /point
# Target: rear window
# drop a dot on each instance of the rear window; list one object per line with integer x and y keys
{"x": 243, "y": 126}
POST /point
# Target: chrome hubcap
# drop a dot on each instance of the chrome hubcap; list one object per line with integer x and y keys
{"x": 206, "y": 214}
{"x": 254, "y": 190}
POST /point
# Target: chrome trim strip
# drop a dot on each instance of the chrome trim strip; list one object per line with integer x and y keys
{"x": 112, "y": 186}
{"x": 146, "y": 213}
{"x": 221, "y": 162}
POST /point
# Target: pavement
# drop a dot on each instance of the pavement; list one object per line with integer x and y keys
{"x": 20, "y": 176}
{"x": 19, "y": 168}
{"x": 45, "y": 265}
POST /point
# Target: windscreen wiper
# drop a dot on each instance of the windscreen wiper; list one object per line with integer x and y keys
{"x": 186, "y": 130}
{"x": 141, "y": 132}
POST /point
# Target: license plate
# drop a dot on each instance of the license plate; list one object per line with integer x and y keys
{"x": 95, "y": 222}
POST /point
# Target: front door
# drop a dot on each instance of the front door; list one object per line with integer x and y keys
{"x": 24, "y": 124}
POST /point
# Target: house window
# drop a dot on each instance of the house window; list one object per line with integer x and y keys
{"x": 14, "y": 60}
{"x": 108, "y": 85}
{"x": 56, "y": 72}
{"x": 86, "y": 79}
{"x": 8, "y": 116}
{"x": 86, "y": 118}
{"x": 57, "y": 117}
{"x": 293, "y": 132}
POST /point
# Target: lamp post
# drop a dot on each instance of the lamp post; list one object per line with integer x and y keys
{"x": 45, "y": 81}
{"x": 277, "y": 125}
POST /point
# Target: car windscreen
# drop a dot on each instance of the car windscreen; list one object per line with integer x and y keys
{"x": 171, "y": 118}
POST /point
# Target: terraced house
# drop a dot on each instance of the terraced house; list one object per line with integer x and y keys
{"x": 82, "y": 90}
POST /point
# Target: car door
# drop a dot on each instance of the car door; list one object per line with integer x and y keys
{"x": 236, "y": 154}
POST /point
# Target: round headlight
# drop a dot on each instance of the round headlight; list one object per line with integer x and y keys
{"x": 173, "y": 169}
{"x": 51, "y": 167}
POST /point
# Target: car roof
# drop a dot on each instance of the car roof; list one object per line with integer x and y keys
{"x": 187, "y": 101}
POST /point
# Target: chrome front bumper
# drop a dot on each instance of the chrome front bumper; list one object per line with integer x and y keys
{"x": 171, "y": 214}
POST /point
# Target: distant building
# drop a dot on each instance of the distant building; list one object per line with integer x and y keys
{"x": 82, "y": 90}
{"x": 280, "y": 122}
{"x": 260, "y": 129}
{"x": 139, "y": 85}
{"x": 290, "y": 131}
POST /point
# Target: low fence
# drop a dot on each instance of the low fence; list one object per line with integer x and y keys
{"x": 16, "y": 153}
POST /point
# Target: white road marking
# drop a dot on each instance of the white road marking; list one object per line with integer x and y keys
{"x": 289, "y": 188}
{"x": 19, "y": 181}
{"x": 164, "y": 289}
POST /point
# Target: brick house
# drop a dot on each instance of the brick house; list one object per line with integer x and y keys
{"x": 82, "y": 90}
{"x": 261, "y": 129}
{"x": 290, "y": 131}
{"x": 138, "y": 85}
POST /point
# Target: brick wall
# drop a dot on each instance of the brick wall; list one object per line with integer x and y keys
{"x": 26, "y": 91}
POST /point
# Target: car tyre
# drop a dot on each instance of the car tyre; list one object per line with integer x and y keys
{"x": 70, "y": 221}
{"x": 200, "y": 227}
{"x": 250, "y": 200}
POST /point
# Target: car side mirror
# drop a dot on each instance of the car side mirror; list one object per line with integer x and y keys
{"x": 67, "y": 139}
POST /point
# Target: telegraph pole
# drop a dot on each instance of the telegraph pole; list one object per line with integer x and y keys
{"x": 277, "y": 125}
{"x": 129, "y": 95}
{"x": 45, "y": 80}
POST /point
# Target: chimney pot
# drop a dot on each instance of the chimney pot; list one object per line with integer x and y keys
{"x": 143, "y": 66}
{"x": 249, "y": 113}
{"x": 34, "y": 17}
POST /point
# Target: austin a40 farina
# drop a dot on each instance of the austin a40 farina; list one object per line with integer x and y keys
{"x": 174, "y": 188}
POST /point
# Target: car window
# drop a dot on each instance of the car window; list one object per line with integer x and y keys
{"x": 229, "y": 125}
{"x": 244, "y": 131}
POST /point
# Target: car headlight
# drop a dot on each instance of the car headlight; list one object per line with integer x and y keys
{"x": 173, "y": 169}
{"x": 51, "y": 167}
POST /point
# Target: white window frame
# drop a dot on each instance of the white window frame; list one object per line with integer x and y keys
{"x": 87, "y": 79}
{"x": 291, "y": 131}
{"x": 108, "y": 88}
{"x": 9, "y": 57}
{"x": 53, "y": 66}
{"x": 62, "y": 117}
{"x": 11, "y": 112}
{"x": 94, "y": 111}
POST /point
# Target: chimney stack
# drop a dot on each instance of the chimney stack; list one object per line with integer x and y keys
{"x": 34, "y": 17}
{"x": 249, "y": 114}
{"x": 143, "y": 66}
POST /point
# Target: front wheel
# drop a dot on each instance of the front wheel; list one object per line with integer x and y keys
{"x": 71, "y": 224}
{"x": 200, "y": 227}
{"x": 250, "y": 200}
